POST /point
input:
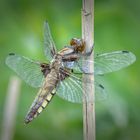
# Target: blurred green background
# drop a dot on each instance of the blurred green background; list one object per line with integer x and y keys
{"x": 117, "y": 27}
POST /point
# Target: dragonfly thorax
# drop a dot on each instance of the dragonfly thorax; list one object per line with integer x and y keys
{"x": 56, "y": 62}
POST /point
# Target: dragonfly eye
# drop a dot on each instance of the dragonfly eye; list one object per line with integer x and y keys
{"x": 73, "y": 41}
{"x": 77, "y": 44}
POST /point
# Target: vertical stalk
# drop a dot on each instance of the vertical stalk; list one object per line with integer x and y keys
{"x": 88, "y": 88}
{"x": 10, "y": 109}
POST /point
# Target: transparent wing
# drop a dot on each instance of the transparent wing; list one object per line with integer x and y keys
{"x": 74, "y": 66}
{"x": 71, "y": 90}
{"x": 27, "y": 69}
{"x": 106, "y": 63}
{"x": 109, "y": 62}
{"x": 80, "y": 66}
{"x": 49, "y": 45}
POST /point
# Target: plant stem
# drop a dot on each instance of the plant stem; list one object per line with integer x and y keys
{"x": 10, "y": 109}
{"x": 88, "y": 89}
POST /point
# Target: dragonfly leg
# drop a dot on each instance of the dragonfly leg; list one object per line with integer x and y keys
{"x": 89, "y": 52}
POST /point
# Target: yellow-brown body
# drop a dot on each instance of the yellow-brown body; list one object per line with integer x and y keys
{"x": 47, "y": 91}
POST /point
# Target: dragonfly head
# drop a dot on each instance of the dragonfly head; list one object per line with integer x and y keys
{"x": 78, "y": 44}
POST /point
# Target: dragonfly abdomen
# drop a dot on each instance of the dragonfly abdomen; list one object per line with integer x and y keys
{"x": 43, "y": 97}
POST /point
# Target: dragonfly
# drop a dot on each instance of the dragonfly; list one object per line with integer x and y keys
{"x": 63, "y": 74}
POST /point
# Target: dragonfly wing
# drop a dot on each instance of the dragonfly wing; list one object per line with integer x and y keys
{"x": 71, "y": 89}
{"x": 26, "y": 68}
{"x": 49, "y": 45}
{"x": 109, "y": 62}
{"x": 73, "y": 65}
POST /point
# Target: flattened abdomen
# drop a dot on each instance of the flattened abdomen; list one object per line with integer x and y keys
{"x": 43, "y": 97}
